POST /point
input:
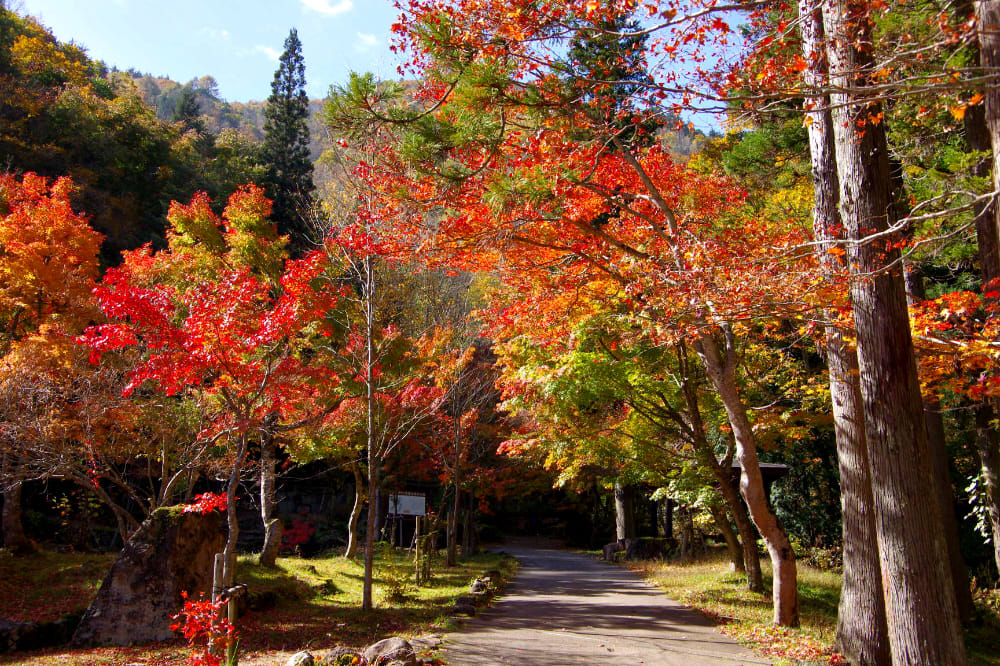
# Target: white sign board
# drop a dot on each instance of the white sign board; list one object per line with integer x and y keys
{"x": 408, "y": 504}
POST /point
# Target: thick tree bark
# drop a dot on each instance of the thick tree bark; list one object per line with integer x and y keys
{"x": 355, "y": 518}
{"x": 944, "y": 493}
{"x": 861, "y": 624}
{"x": 922, "y": 615}
{"x": 273, "y": 528}
{"x": 721, "y": 370}
{"x": 624, "y": 511}
{"x": 983, "y": 134}
{"x": 988, "y": 445}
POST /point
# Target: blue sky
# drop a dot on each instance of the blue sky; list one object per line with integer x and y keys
{"x": 237, "y": 42}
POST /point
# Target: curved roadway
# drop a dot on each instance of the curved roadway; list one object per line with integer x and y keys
{"x": 564, "y": 608}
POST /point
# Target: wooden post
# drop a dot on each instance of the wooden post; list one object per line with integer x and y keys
{"x": 416, "y": 558}
{"x": 217, "y": 577}
{"x": 231, "y": 658}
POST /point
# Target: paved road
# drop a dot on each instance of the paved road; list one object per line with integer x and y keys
{"x": 564, "y": 608}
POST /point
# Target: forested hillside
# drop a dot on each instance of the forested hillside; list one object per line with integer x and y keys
{"x": 523, "y": 285}
{"x": 165, "y": 95}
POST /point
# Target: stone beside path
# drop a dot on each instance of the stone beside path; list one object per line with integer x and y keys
{"x": 565, "y": 608}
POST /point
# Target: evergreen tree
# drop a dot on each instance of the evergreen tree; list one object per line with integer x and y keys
{"x": 285, "y": 151}
{"x": 608, "y": 73}
{"x": 188, "y": 111}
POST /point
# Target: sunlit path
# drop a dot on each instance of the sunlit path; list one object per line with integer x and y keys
{"x": 565, "y": 608}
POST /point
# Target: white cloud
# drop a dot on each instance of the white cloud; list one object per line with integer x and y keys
{"x": 325, "y": 6}
{"x": 268, "y": 51}
{"x": 366, "y": 40}
{"x": 213, "y": 33}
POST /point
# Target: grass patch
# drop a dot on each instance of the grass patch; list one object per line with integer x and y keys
{"x": 708, "y": 586}
{"x": 47, "y": 586}
{"x": 318, "y": 606}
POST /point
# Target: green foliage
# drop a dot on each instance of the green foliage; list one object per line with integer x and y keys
{"x": 285, "y": 151}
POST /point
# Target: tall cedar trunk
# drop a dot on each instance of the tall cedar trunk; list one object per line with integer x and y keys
{"x": 721, "y": 519}
{"x": 944, "y": 493}
{"x": 624, "y": 511}
{"x": 862, "y": 634}
{"x": 14, "y": 538}
{"x": 922, "y": 616}
{"x": 721, "y": 371}
{"x": 668, "y": 518}
{"x": 273, "y": 528}
{"x": 940, "y": 465}
{"x": 355, "y": 518}
{"x": 983, "y": 133}
{"x": 989, "y": 455}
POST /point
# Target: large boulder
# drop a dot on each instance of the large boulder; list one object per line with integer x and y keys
{"x": 390, "y": 652}
{"x": 172, "y": 552}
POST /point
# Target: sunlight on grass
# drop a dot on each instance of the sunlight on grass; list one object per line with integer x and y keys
{"x": 709, "y": 586}
{"x": 318, "y": 604}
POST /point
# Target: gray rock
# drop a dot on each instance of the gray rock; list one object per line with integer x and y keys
{"x": 336, "y": 653}
{"x": 479, "y": 586}
{"x": 390, "y": 652}
{"x": 12, "y": 633}
{"x": 464, "y": 605}
{"x": 170, "y": 553}
{"x": 301, "y": 659}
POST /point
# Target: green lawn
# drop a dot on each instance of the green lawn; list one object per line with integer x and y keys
{"x": 319, "y": 604}
{"x": 709, "y": 586}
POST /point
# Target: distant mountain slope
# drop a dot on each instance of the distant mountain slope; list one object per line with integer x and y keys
{"x": 164, "y": 94}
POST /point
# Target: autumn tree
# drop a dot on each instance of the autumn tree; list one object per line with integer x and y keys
{"x": 50, "y": 264}
{"x": 225, "y": 336}
{"x": 526, "y": 181}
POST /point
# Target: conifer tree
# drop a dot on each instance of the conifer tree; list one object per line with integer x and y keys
{"x": 285, "y": 150}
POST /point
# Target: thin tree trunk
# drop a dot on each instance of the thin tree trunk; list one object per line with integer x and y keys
{"x": 721, "y": 519}
{"x": 922, "y": 615}
{"x": 273, "y": 528}
{"x": 452, "y": 553}
{"x": 367, "y": 602}
{"x": 721, "y": 371}
{"x": 467, "y": 531}
{"x": 14, "y": 538}
{"x": 723, "y": 473}
{"x": 233, "y": 531}
{"x": 359, "y": 503}
{"x": 747, "y": 533}
{"x": 366, "y": 594}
